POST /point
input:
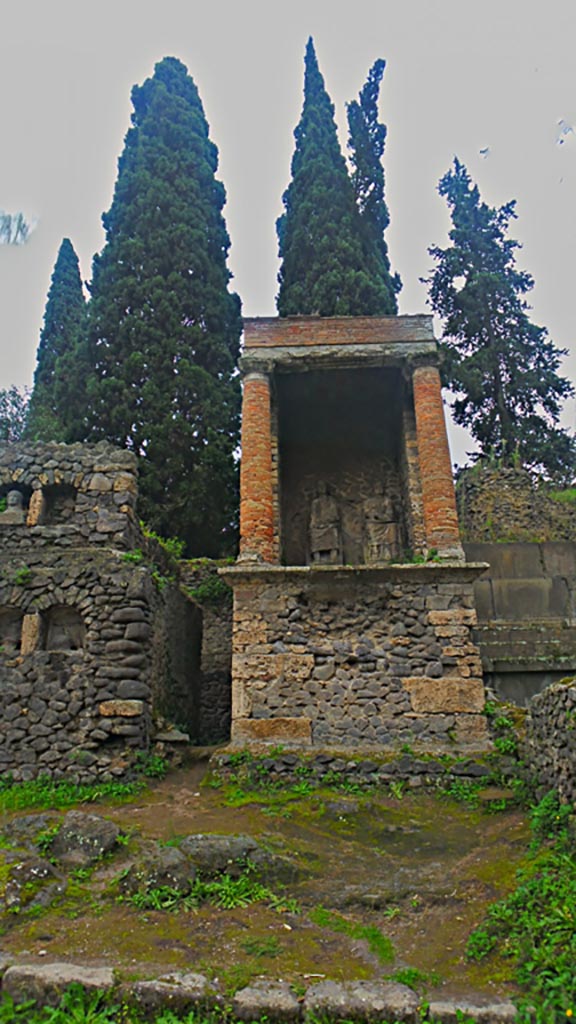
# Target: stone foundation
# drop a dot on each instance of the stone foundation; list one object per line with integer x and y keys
{"x": 356, "y": 657}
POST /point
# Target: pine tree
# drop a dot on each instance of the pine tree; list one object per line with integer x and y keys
{"x": 54, "y": 391}
{"x": 164, "y": 330}
{"x": 366, "y": 142}
{"x": 324, "y": 268}
{"x": 501, "y": 366}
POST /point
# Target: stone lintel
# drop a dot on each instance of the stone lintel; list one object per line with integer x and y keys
{"x": 337, "y": 575}
{"x": 265, "y": 332}
{"x": 272, "y": 730}
{"x": 302, "y": 358}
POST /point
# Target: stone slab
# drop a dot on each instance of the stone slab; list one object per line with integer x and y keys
{"x": 272, "y": 730}
{"x": 121, "y": 708}
{"x": 273, "y": 1000}
{"x": 446, "y": 695}
{"x": 46, "y": 983}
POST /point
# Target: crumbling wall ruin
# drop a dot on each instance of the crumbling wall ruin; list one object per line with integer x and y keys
{"x": 83, "y": 614}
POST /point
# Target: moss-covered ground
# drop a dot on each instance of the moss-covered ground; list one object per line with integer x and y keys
{"x": 389, "y": 884}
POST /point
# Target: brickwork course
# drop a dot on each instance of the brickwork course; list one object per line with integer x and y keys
{"x": 257, "y": 506}
{"x": 439, "y": 503}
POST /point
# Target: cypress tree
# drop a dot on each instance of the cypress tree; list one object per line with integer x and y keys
{"x": 164, "y": 329}
{"x": 54, "y": 390}
{"x": 502, "y": 368}
{"x": 366, "y": 142}
{"x": 324, "y": 268}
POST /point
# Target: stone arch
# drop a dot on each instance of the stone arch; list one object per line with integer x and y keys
{"x": 63, "y": 628}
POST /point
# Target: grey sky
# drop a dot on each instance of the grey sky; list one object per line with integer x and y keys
{"x": 461, "y": 77}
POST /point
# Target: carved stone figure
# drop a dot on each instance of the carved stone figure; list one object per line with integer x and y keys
{"x": 14, "y": 509}
{"x": 380, "y": 528}
{"x": 325, "y": 542}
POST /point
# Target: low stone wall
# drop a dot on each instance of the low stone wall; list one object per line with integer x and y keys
{"x": 288, "y": 768}
{"x": 551, "y": 739}
{"x": 356, "y": 657}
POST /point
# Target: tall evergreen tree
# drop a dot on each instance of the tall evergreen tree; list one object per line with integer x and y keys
{"x": 324, "y": 268}
{"x": 502, "y": 367}
{"x": 366, "y": 142}
{"x": 54, "y": 391}
{"x": 14, "y": 403}
{"x": 164, "y": 329}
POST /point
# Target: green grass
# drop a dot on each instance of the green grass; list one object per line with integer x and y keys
{"x": 565, "y": 497}
{"x": 79, "y": 1006}
{"x": 535, "y": 925}
{"x": 45, "y": 793}
{"x": 225, "y": 892}
{"x": 378, "y": 943}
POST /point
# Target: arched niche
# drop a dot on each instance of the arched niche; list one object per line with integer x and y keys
{"x": 58, "y": 504}
{"x": 10, "y": 629}
{"x": 63, "y": 629}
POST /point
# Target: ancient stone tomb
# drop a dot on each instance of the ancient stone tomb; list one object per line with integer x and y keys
{"x": 353, "y": 602}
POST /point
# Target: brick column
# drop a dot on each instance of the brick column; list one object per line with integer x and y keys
{"x": 256, "y": 485}
{"x": 438, "y": 498}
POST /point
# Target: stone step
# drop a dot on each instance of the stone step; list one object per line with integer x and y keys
{"x": 182, "y": 992}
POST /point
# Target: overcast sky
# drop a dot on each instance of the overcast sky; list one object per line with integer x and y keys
{"x": 461, "y": 77}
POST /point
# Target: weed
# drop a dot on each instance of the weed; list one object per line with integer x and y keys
{"x": 22, "y": 576}
{"x": 134, "y": 557}
{"x": 153, "y": 766}
{"x": 463, "y": 790}
{"x": 378, "y": 943}
{"x": 550, "y": 819}
{"x": 212, "y": 590}
{"x": 226, "y": 892}
{"x": 173, "y": 547}
{"x": 262, "y": 947}
{"x": 415, "y": 978}
{"x": 397, "y": 789}
{"x": 45, "y": 839}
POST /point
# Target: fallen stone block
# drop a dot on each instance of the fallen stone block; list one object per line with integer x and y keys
{"x": 362, "y": 1001}
{"x": 273, "y": 1000}
{"x": 46, "y": 983}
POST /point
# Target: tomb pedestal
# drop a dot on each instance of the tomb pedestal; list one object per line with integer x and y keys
{"x": 353, "y": 604}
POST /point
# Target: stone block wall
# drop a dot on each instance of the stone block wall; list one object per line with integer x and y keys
{"x": 356, "y": 657}
{"x": 504, "y": 504}
{"x": 213, "y": 601}
{"x": 551, "y": 739}
{"x": 75, "y": 698}
{"x": 73, "y": 495}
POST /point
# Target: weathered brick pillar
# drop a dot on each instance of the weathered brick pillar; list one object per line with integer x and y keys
{"x": 256, "y": 485}
{"x": 438, "y": 498}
